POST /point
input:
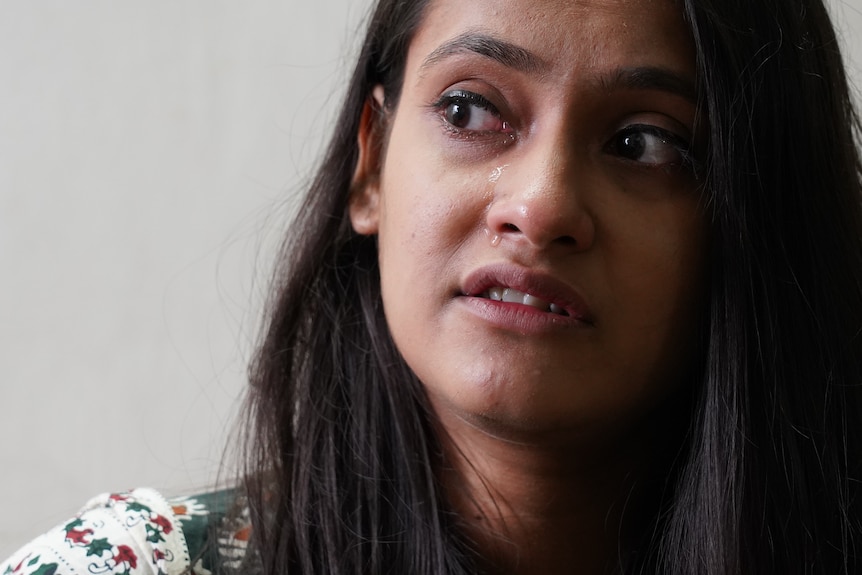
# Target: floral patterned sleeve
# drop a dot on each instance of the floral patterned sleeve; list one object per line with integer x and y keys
{"x": 133, "y": 533}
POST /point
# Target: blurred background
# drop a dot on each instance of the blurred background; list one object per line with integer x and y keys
{"x": 150, "y": 154}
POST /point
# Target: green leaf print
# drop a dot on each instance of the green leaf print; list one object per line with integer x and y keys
{"x": 153, "y": 534}
{"x": 98, "y": 546}
{"x": 140, "y": 507}
{"x": 73, "y": 524}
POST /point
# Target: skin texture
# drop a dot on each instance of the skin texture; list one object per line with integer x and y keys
{"x": 541, "y": 184}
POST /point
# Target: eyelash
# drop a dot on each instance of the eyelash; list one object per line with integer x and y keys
{"x": 681, "y": 146}
{"x": 463, "y": 96}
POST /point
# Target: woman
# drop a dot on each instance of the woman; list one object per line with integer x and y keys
{"x": 576, "y": 289}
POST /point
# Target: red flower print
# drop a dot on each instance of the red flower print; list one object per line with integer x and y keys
{"x": 18, "y": 567}
{"x": 118, "y": 497}
{"x": 243, "y": 534}
{"x": 125, "y": 554}
{"x": 158, "y": 555}
{"x": 78, "y": 536}
{"x": 163, "y": 523}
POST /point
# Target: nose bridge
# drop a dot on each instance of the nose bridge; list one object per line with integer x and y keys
{"x": 552, "y": 172}
{"x": 541, "y": 195}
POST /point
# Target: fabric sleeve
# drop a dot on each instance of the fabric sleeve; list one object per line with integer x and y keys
{"x": 132, "y": 533}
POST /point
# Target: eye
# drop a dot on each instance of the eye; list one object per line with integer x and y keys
{"x": 470, "y": 112}
{"x": 651, "y": 145}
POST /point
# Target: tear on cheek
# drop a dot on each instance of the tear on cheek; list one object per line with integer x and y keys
{"x": 496, "y": 173}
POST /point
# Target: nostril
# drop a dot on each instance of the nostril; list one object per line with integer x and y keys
{"x": 511, "y": 228}
{"x": 567, "y": 240}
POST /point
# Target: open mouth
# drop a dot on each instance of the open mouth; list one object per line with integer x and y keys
{"x": 510, "y": 295}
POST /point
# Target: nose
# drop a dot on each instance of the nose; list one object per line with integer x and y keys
{"x": 540, "y": 198}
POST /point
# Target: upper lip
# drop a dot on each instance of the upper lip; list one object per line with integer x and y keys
{"x": 533, "y": 282}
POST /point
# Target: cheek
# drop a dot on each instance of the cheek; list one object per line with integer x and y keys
{"x": 660, "y": 280}
{"x": 428, "y": 212}
{"x": 413, "y": 238}
{"x": 658, "y": 252}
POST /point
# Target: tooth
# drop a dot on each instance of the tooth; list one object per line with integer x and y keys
{"x": 533, "y": 301}
{"x": 495, "y": 293}
{"x": 557, "y": 309}
{"x": 513, "y": 296}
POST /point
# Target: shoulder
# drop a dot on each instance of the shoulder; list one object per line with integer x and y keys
{"x": 217, "y": 528}
{"x": 132, "y": 533}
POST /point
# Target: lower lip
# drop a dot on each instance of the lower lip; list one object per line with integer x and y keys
{"x": 518, "y": 317}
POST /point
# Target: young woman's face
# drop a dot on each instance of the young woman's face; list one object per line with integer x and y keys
{"x": 541, "y": 231}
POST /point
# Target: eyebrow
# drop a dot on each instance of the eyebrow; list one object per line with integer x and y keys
{"x": 522, "y": 60}
{"x": 506, "y": 53}
{"x": 650, "y": 78}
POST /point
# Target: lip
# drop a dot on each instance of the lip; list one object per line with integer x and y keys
{"x": 520, "y": 317}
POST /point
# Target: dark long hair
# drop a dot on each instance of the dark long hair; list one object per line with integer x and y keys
{"x": 341, "y": 451}
{"x": 772, "y": 479}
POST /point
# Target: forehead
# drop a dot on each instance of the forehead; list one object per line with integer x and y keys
{"x": 564, "y": 37}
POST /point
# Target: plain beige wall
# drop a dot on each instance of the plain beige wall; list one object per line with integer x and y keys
{"x": 847, "y": 15}
{"x": 144, "y": 148}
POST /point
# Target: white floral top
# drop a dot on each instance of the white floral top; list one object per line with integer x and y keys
{"x": 142, "y": 533}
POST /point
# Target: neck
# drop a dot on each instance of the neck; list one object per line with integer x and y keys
{"x": 535, "y": 505}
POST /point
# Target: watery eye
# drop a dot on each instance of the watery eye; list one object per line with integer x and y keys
{"x": 471, "y": 112}
{"x": 458, "y": 114}
{"x": 649, "y": 145}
